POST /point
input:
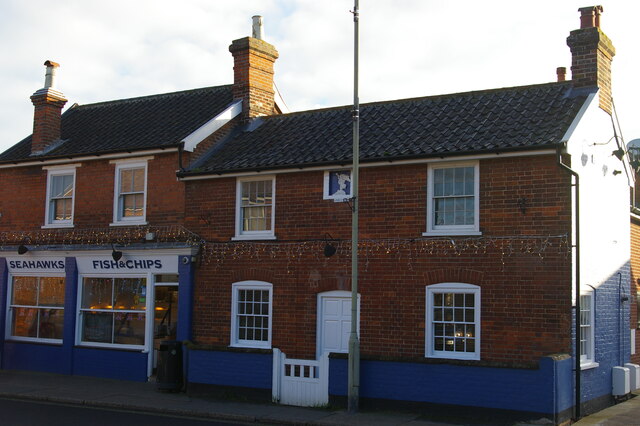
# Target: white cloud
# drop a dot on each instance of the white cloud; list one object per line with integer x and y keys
{"x": 118, "y": 49}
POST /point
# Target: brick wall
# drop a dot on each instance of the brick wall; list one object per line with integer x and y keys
{"x": 526, "y": 296}
{"x": 23, "y": 195}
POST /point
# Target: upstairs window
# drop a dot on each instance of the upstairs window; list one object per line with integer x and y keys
{"x": 130, "y": 193}
{"x": 452, "y": 199}
{"x": 60, "y": 197}
{"x": 255, "y": 208}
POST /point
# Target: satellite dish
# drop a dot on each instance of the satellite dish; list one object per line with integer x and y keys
{"x": 633, "y": 149}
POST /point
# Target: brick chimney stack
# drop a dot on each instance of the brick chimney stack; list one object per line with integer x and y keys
{"x": 48, "y": 103}
{"x": 592, "y": 53}
{"x": 253, "y": 73}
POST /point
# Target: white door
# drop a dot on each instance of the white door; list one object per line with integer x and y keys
{"x": 334, "y": 322}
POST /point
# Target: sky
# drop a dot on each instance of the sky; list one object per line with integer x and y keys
{"x": 119, "y": 49}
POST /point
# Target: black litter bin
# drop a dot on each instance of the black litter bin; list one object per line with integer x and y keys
{"x": 169, "y": 369}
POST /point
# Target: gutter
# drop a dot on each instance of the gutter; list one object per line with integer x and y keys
{"x": 576, "y": 245}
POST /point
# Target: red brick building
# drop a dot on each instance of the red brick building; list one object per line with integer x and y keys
{"x": 480, "y": 238}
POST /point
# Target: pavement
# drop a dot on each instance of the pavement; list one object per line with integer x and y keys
{"x": 145, "y": 397}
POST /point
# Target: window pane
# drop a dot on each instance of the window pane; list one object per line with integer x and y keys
{"x": 25, "y": 291}
{"x": 126, "y": 180}
{"x": 97, "y": 327}
{"x": 138, "y": 180}
{"x": 129, "y": 328}
{"x": 61, "y": 186}
{"x": 61, "y": 209}
{"x": 130, "y": 293}
{"x": 51, "y": 324}
{"x": 51, "y": 292}
{"x": 133, "y": 205}
{"x": 24, "y": 322}
{"x": 97, "y": 293}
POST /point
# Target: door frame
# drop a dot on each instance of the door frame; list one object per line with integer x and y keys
{"x": 343, "y": 294}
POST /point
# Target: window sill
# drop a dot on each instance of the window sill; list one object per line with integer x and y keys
{"x": 451, "y": 233}
{"x": 253, "y": 237}
{"x": 58, "y": 225}
{"x": 249, "y": 346}
{"x": 132, "y": 223}
{"x": 474, "y": 357}
{"x": 589, "y": 365}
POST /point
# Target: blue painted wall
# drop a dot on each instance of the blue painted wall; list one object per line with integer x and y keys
{"x": 185, "y": 298}
{"x": 250, "y": 370}
{"x": 612, "y": 335}
{"x": 544, "y": 390}
{"x": 35, "y": 357}
{"x": 110, "y": 364}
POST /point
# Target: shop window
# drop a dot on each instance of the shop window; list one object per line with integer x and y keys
{"x": 453, "y": 321}
{"x": 251, "y": 314}
{"x": 112, "y": 311}
{"x": 36, "y": 309}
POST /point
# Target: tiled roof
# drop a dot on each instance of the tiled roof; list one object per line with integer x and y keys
{"x": 157, "y": 121}
{"x": 506, "y": 119}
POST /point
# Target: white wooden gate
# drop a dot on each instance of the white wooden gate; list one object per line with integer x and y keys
{"x": 299, "y": 381}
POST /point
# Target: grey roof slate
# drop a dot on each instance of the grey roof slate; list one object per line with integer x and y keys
{"x": 157, "y": 121}
{"x": 507, "y": 119}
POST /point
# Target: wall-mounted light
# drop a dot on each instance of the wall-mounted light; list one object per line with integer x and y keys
{"x": 522, "y": 203}
{"x": 619, "y": 153}
{"x": 616, "y": 172}
{"x": 22, "y": 249}
{"x": 329, "y": 249}
{"x": 115, "y": 254}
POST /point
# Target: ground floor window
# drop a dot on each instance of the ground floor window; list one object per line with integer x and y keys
{"x": 113, "y": 311}
{"x": 453, "y": 321}
{"x": 586, "y": 329}
{"x": 251, "y": 314}
{"x": 36, "y": 308}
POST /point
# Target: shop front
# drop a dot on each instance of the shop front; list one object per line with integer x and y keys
{"x": 94, "y": 313}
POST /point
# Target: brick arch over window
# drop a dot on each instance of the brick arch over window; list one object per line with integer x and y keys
{"x": 453, "y": 275}
{"x": 253, "y": 275}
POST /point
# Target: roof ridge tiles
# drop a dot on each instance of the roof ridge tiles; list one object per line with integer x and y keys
{"x": 150, "y": 97}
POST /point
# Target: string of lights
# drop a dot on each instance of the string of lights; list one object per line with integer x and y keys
{"x": 402, "y": 250}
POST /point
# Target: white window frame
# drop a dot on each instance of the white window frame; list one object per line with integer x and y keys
{"x": 146, "y": 311}
{"x": 51, "y": 173}
{"x": 255, "y": 235}
{"x": 434, "y": 230}
{"x": 456, "y": 288}
{"x": 118, "y": 219}
{"x": 235, "y": 289}
{"x": 327, "y": 196}
{"x": 587, "y": 332}
{"x": 8, "y": 318}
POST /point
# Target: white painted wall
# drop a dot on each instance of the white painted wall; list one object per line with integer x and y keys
{"x": 604, "y": 197}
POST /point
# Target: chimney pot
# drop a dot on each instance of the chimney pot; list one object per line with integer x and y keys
{"x": 590, "y": 16}
{"x": 50, "y": 74}
{"x": 257, "y": 30}
{"x": 561, "y": 72}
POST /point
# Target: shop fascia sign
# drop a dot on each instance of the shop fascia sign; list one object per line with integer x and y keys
{"x": 167, "y": 264}
{"x": 33, "y": 264}
{"x": 128, "y": 264}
